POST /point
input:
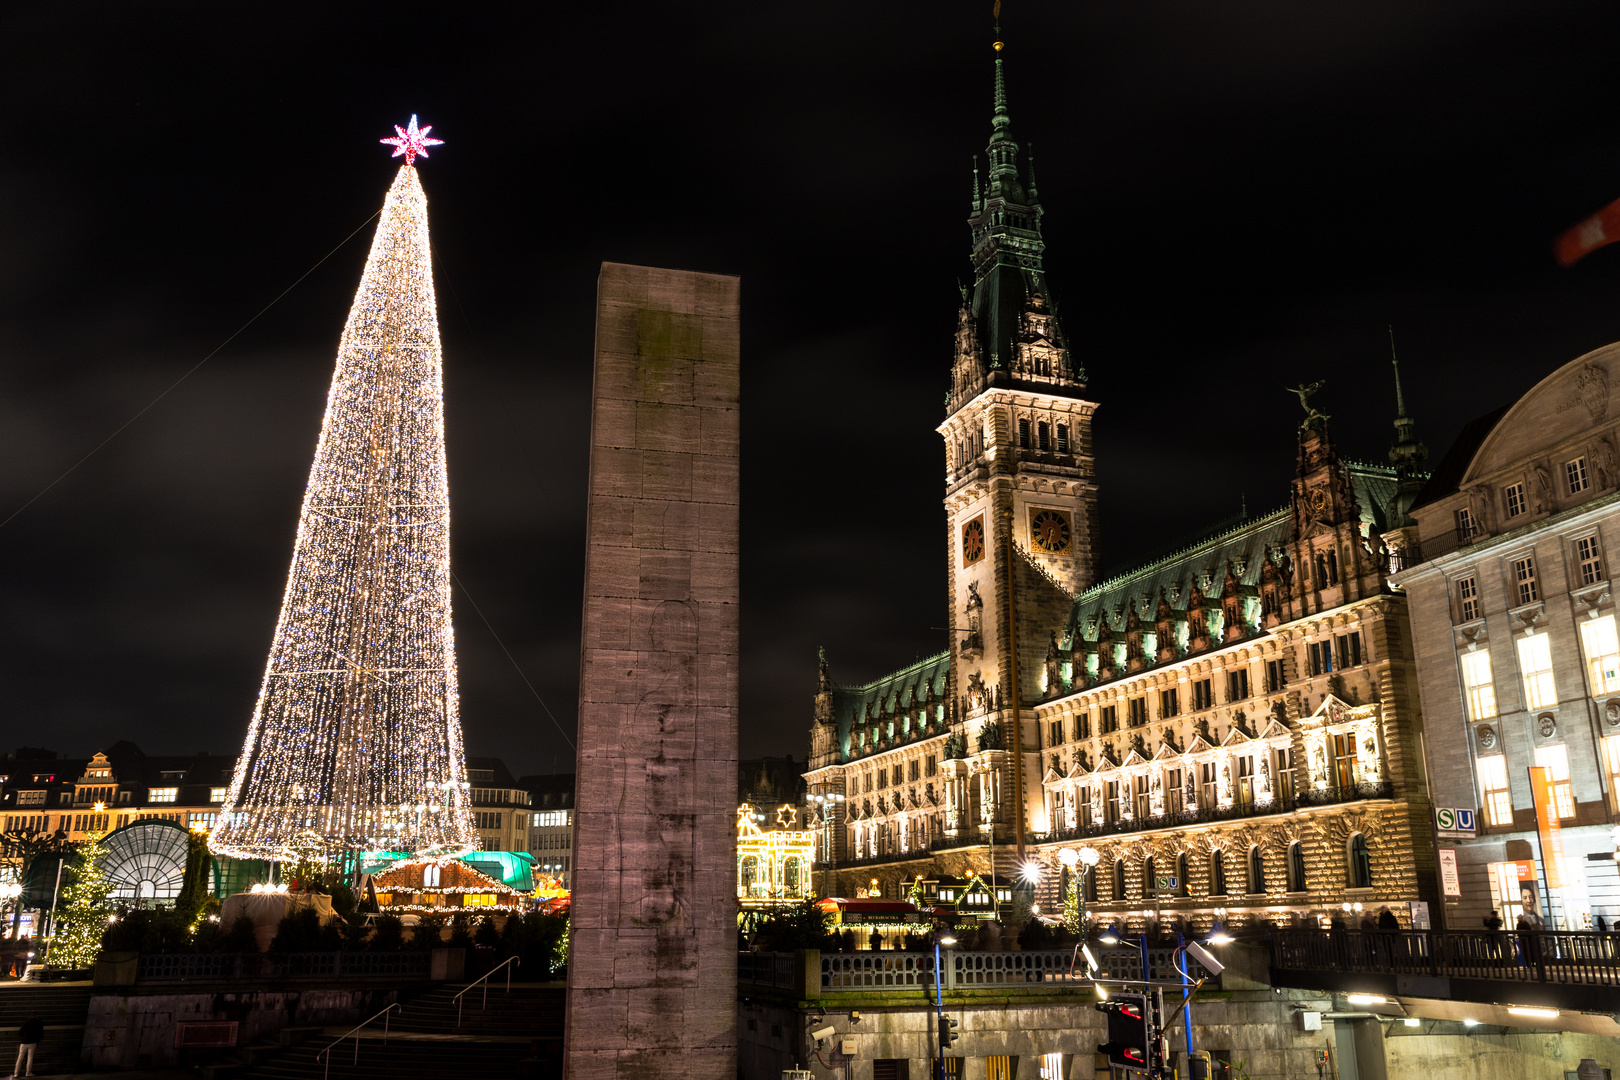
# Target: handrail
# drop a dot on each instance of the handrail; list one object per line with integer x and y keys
{"x": 485, "y": 980}
{"x": 326, "y": 1069}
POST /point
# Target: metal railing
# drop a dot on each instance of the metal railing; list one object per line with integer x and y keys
{"x": 325, "y": 1056}
{"x": 963, "y": 970}
{"x": 181, "y": 967}
{"x": 766, "y": 969}
{"x": 1570, "y": 957}
{"x": 509, "y": 963}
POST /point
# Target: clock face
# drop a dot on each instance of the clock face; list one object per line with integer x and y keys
{"x": 973, "y": 541}
{"x": 1319, "y": 500}
{"x": 1050, "y": 532}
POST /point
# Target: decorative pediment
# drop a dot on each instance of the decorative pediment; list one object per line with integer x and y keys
{"x": 1335, "y": 710}
{"x": 1275, "y": 729}
{"x": 1135, "y": 758}
{"x": 1105, "y": 762}
{"x": 1199, "y": 744}
{"x": 1165, "y": 753}
{"x": 1234, "y": 737}
{"x": 1052, "y": 778}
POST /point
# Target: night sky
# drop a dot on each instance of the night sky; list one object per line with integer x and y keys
{"x": 1239, "y": 196}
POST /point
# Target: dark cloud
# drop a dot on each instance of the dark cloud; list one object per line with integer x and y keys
{"x": 1239, "y": 197}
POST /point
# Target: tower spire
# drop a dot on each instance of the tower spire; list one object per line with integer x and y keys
{"x": 1408, "y": 454}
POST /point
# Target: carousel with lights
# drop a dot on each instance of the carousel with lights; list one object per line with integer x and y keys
{"x": 774, "y": 858}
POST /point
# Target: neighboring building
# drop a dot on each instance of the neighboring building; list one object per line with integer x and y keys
{"x": 112, "y": 788}
{"x": 1514, "y": 616}
{"x": 551, "y": 824}
{"x": 500, "y": 806}
{"x": 1234, "y": 727}
{"x": 774, "y": 856}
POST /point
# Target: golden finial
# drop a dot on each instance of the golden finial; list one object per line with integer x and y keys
{"x": 996, "y": 13}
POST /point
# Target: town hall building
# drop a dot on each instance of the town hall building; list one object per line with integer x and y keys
{"x": 1232, "y": 729}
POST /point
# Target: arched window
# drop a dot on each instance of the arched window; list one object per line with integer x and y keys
{"x": 1119, "y": 879}
{"x": 1360, "y": 863}
{"x": 1217, "y": 873}
{"x": 1150, "y": 879}
{"x": 1257, "y": 871}
{"x": 1088, "y": 883}
{"x": 1182, "y": 888}
{"x": 1296, "y": 867}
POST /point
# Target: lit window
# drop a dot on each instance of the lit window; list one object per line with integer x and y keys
{"x": 1465, "y": 524}
{"x": 1524, "y": 579}
{"x": 218, "y": 794}
{"x": 1555, "y": 759}
{"x": 1476, "y": 672}
{"x": 1513, "y": 496}
{"x": 1602, "y": 654}
{"x": 1586, "y": 554}
{"x": 1611, "y": 763}
{"x": 1467, "y": 599}
{"x": 1575, "y": 473}
{"x": 1494, "y": 782}
{"x": 162, "y": 794}
{"x": 1535, "y": 663}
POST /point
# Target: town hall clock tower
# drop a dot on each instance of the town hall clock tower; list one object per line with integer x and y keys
{"x": 1020, "y": 490}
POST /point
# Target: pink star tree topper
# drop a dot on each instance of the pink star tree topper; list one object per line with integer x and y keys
{"x": 411, "y": 141}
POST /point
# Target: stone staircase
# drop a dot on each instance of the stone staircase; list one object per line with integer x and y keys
{"x": 63, "y": 1010}
{"x": 518, "y": 1034}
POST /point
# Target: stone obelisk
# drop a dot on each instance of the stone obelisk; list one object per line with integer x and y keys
{"x": 652, "y": 974}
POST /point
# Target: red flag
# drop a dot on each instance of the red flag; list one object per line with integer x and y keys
{"x": 1601, "y": 228}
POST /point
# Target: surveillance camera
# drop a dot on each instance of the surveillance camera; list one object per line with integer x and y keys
{"x": 824, "y": 1033}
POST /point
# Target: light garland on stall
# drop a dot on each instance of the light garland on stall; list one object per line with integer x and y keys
{"x": 355, "y": 743}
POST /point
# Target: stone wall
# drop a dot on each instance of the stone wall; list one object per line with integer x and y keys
{"x": 652, "y": 976}
{"x": 136, "y": 1028}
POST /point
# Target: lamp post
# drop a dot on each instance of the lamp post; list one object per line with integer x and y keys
{"x": 940, "y": 938}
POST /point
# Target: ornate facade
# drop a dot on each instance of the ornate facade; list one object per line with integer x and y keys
{"x": 1233, "y": 727}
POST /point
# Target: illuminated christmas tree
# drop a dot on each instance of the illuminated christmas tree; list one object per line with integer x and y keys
{"x": 355, "y": 743}
{"x": 82, "y": 918}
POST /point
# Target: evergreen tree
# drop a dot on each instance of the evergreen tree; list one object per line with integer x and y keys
{"x": 82, "y": 914}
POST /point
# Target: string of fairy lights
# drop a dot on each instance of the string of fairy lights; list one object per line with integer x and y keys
{"x": 355, "y": 742}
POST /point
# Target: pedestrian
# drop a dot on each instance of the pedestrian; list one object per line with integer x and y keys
{"x": 1602, "y": 927}
{"x": 28, "y": 1037}
{"x": 1387, "y": 919}
{"x": 1493, "y": 921}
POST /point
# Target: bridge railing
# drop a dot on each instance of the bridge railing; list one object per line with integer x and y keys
{"x": 855, "y": 972}
{"x": 1574, "y": 957}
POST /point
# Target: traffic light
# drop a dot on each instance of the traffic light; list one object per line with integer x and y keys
{"x": 1127, "y": 1045}
{"x": 947, "y": 1032}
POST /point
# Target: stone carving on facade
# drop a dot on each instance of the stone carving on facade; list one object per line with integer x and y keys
{"x": 1603, "y": 459}
{"x": 1054, "y": 667}
{"x": 978, "y": 698}
{"x": 1135, "y": 653}
{"x": 1592, "y": 391}
{"x": 1190, "y": 798}
{"x": 1156, "y": 793}
{"x": 973, "y": 641}
{"x": 1546, "y": 725}
{"x": 1611, "y": 712}
{"x": 1263, "y": 790}
{"x": 1543, "y": 487}
{"x": 1107, "y": 658}
{"x": 1197, "y": 621}
{"x": 1164, "y": 631}
{"x": 955, "y": 746}
{"x": 990, "y": 736}
{"x": 1487, "y": 735}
